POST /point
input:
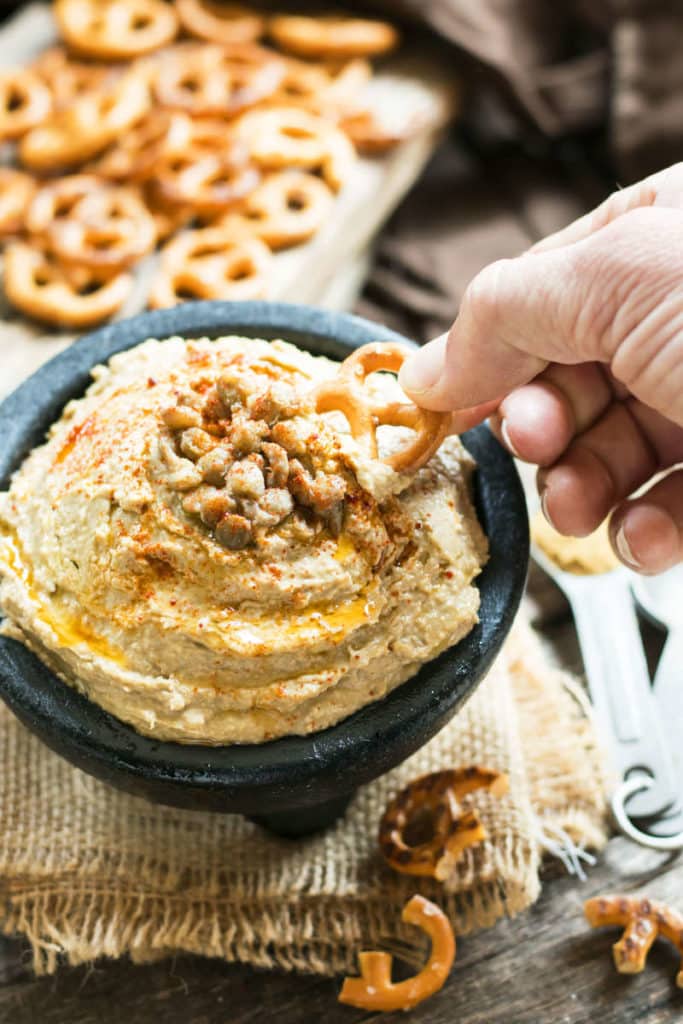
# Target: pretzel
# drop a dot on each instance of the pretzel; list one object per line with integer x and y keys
{"x": 91, "y": 223}
{"x": 288, "y": 208}
{"x": 82, "y": 130}
{"x": 207, "y": 182}
{"x": 205, "y": 80}
{"x": 16, "y": 191}
{"x": 68, "y": 79}
{"x": 219, "y": 22}
{"x": 108, "y": 229}
{"x": 643, "y": 920}
{"x": 374, "y": 989}
{"x": 136, "y": 156}
{"x": 332, "y": 36}
{"x": 302, "y": 85}
{"x": 56, "y": 200}
{"x": 346, "y": 392}
{"x": 24, "y": 102}
{"x": 291, "y": 137}
{"x": 285, "y": 137}
{"x": 452, "y": 827}
{"x": 115, "y": 29}
{"x": 168, "y": 217}
{"x": 348, "y": 79}
{"x": 369, "y": 136}
{"x": 322, "y": 88}
{"x": 43, "y": 291}
{"x": 209, "y": 135}
{"x": 341, "y": 157}
{"x": 209, "y": 264}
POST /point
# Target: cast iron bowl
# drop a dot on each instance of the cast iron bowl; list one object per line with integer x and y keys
{"x": 301, "y": 783}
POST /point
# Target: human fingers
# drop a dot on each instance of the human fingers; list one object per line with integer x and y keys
{"x": 605, "y": 464}
{"x": 616, "y": 297}
{"x": 647, "y": 531}
{"x": 538, "y": 421}
{"x": 665, "y": 188}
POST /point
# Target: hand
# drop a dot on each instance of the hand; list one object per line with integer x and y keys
{"x": 575, "y": 351}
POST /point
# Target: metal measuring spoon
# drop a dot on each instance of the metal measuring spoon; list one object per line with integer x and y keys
{"x": 661, "y": 600}
{"x": 619, "y": 685}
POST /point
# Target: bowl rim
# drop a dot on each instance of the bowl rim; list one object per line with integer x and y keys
{"x": 360, "y": 746}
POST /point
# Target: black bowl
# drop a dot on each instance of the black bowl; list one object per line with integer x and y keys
{"x": 297, "y": 784}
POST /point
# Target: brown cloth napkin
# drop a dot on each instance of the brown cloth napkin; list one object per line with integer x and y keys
{"x": 468, "y": 210}
{"x": 574, "y": 64}
{"x": 600, "y": 85}
{"x": 87, "y": 871}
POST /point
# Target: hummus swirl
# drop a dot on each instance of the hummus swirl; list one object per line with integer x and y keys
{"x": 212, "y": 562}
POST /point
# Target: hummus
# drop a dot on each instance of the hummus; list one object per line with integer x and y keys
{"x": 212, "y": 562}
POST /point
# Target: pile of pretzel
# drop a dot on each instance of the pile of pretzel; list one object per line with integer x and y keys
{"x": 210, "y": 130}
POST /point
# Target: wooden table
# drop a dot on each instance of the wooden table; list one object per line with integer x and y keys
{"x": 544, "y": 967}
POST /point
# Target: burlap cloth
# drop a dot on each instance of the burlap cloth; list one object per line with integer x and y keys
{"x": 87, "y": 871}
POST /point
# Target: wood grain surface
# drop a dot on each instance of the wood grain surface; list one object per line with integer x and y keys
{"x": 544, "y": 967}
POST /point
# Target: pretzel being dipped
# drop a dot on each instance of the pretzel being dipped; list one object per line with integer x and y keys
{"x": 643, "y": 920}
{"x": 374, "y": 990}
{"x": 451, "y": 828}
{"x": 347, "y": 393}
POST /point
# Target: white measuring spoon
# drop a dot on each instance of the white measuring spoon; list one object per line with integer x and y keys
{"x": 661, "y": 599}
{"x": 619, "y": 683}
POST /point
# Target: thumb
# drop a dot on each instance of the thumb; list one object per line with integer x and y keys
{"x": 614, "y": 297}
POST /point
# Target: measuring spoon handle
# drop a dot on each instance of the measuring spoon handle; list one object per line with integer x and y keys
{"x": 668, "y": 690}
{"x": 619, "y": 684}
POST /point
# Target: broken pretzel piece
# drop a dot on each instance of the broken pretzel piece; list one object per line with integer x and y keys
{"x": 643, "y": 920}
{"x": 374, "y": 990}
{"x": 347, "y": 393}
{"x": 432, "y": 802}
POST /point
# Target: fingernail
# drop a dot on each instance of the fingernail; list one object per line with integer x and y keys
{"x": 544, "y": 507}
{"x": 624, "y": 549}
{"x": 505, "y": 434}
{"x": 421, "y": 372}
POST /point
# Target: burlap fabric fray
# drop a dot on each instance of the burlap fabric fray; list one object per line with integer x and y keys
{"x": 87, "y": 871}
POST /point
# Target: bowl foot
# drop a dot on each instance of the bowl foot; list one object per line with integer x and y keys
{"x": 303, "y": 821}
